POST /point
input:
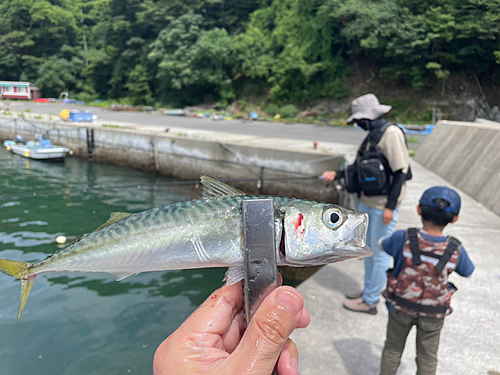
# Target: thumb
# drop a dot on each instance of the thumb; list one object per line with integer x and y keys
{"x": 269, "y": 329}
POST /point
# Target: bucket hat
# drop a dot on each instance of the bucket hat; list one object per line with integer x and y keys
{"x": 367, "y": 107}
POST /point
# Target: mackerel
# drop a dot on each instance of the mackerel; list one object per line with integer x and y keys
{"x": 202, "y": 233}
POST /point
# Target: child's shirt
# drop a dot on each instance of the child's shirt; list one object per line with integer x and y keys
{"x": 394, "y": 244}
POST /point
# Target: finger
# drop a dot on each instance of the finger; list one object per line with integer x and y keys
{"x": 217, "y": 313}
{"x": 268, "y": 331}
{"x": 233, "y": 336}
{"x": 288, "y": 362}
{"x": 327, "y": 176}
{"x": 304, "y": 320}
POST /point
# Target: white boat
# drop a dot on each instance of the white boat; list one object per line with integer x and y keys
{"x": 42, "y": 149}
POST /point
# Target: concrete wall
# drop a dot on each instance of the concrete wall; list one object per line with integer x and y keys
{"x": 187, "y": 158}
{"x": 468, "y": 155}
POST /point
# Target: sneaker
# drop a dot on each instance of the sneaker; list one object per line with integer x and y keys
{"x": 359, "y": 305}
{"x": 354, "y": 295}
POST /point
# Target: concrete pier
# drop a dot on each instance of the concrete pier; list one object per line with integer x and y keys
{"x": 467, "y": 154}
{"x": 338, "y": 341}
{"x": 342, "y": 342}
{"x": 186, "y": 153}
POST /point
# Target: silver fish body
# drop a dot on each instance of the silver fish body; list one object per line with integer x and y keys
{"x": 203, "y": 233}
{"x": 206, "y": 233}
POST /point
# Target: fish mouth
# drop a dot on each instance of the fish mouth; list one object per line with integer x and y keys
{"x": 357, "y": 235}
{"x": 353, "y": 244}
{"x": 354, "y": 241}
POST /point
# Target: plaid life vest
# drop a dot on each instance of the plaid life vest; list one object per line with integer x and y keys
{"x": 422, "y": 286}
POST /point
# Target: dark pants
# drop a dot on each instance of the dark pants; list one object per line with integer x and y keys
{"x": 428, "y": 332}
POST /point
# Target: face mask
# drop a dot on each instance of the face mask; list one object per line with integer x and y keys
{"x": 364, "y": 124}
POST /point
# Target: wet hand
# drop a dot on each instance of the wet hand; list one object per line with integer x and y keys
{"x": 387, "y": 216}
{"x": 213, "y": 341}
{"x": 329, "y": 175}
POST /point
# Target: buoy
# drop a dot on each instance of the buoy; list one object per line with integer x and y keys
{"x": 61, "y": 240}
{"x": 64, "y": 114}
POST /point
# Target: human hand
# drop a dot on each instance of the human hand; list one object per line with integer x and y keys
{"x": 387, "y": 216}
{"x": 329, "y": 175}
{"x": 213, "y": 341}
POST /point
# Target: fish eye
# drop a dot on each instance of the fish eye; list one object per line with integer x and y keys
{"x": 332, "y": 218}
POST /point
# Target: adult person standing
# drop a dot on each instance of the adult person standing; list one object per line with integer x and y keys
{"x": 381, "y": 169}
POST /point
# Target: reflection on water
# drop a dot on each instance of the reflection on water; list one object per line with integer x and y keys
{"x": 84, "y": 323}
{"x": 167, "y": 284}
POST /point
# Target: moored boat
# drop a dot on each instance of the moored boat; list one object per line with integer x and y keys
{"x": 41, "y": 149}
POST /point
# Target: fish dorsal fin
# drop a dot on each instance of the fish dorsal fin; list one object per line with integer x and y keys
{"x": 114, "y": 218}
{"x": 213, "y": 189}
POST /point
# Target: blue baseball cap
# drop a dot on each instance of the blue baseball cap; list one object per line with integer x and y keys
{"x": 442, "y": 192}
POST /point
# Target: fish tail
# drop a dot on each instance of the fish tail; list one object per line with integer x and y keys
{"x": 15, "y": 269}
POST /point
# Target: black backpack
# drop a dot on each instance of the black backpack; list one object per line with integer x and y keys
{"x": 371, "y": 173}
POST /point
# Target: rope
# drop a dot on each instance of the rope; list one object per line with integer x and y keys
{"x": 140, "y": 186}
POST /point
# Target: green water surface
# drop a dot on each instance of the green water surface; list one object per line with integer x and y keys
{"x": 85, "y": 323}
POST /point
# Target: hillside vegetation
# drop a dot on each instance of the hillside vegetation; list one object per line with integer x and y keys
{"x": 184, "y": 52}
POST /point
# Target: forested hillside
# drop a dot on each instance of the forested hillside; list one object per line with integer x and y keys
{"x": 180, "y": 52}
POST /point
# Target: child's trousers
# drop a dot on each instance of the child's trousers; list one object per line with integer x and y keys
{"x": 428, "y": 332}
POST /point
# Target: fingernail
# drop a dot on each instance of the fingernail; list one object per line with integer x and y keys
{"x": 290, "y": 301}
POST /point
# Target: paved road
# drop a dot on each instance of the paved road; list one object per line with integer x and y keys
{"x": 259, "y": 128}
{"x": 324, "y": 133}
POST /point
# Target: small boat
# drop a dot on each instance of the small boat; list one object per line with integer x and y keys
{"x": 41, "y": 149}
{"x": 176, "y": 112}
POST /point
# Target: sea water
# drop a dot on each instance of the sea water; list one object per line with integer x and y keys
{"x": 85, "y": 323}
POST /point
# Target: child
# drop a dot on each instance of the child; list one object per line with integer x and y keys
{"x": 418, "y": 292}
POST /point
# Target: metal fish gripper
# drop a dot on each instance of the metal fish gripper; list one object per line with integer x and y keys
{"x": 260, "y": 267}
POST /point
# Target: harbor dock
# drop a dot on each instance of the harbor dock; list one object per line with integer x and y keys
{"x": 342, "y": 342}
{"x": 338, "y": 341}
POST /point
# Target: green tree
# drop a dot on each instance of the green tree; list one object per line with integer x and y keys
{"x": 286, "y": 45}
{"x": 138, "y": 87}
{"x": 187, "y": 51}
{"x": 32, "y": 30}
{"x": 193, "y": 64}
{"x": 56, "y": 75}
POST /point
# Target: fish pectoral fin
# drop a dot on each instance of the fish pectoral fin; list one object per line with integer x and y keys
{"x": 123, "y": 275}
{"x": 213, "y": 189}
{"x": 233, "y": 275}
{"x": 114, "y": 218}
